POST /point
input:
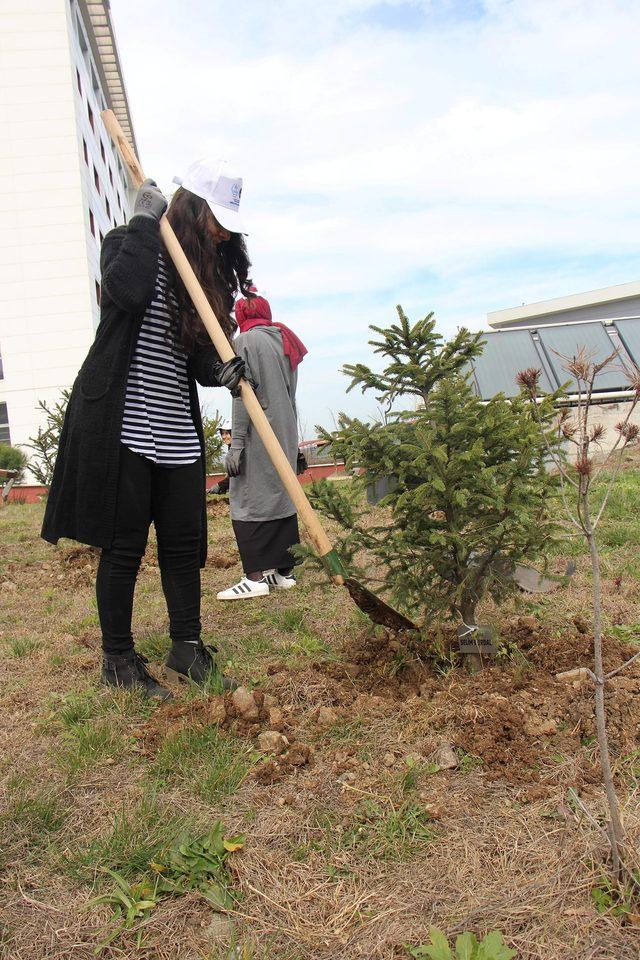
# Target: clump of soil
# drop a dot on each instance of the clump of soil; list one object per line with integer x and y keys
{"x": 277, "y": 768}
{"x": 78, "y": 565}
{"x": 218, "y": 507}
{"x": 222, "y": 560}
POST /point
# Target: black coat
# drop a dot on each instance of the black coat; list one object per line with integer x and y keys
{"x": 82, "y": 499}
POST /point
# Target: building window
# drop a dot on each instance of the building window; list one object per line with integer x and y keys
{"x": 96, "y": 178}
{"x": 85, "y": 151}
{"x": 98, "y": 292}
{"x": 78, "y": 80}
{"x": 5, "y": 436}
{"x": 90, "y": 115}
{"x": 106, "y": 203}
{"x": 92, "y": 223}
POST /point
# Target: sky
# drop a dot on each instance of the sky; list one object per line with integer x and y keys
{"x": 454, "y": 156}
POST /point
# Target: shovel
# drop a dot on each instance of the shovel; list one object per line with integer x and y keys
{"x": 375, "y": 608}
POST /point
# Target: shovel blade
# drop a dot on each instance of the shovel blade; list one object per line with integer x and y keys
{"x": 376, "y": 609}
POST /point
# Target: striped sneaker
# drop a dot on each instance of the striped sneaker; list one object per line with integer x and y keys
{"x": 275, "y": 579}
{"x": 245, "y": 590}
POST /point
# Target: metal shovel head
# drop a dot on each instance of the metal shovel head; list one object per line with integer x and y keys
{"x": 376, "y": 609}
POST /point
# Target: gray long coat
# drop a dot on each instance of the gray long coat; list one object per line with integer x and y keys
{"x": 258, "y": 494}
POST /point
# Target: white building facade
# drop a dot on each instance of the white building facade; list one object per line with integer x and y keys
{"x": 62, "y": 187}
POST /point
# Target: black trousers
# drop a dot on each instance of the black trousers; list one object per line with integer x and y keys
{"x": 171, "y": 498}
{"x": 265, "y": 544}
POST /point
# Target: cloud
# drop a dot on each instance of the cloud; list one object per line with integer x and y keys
{"x": 450, "y": 155}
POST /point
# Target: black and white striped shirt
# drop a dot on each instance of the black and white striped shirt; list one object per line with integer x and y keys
{"x": 157, "y": 420}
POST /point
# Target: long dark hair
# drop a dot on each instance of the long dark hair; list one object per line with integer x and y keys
{"x": 222, "y": 269}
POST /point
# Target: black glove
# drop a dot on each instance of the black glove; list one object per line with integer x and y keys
{"x": 301, "y": 464}
{"x": 150, "y": 201}
{"x": 229, "y": 374}
{"x": 234, "y": 460}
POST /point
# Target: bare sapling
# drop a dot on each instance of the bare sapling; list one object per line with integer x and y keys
{"x": 583, "y": 462}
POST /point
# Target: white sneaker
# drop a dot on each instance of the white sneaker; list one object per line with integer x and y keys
{"x": 275, "y": 579}
{"x": 245, "y": 590}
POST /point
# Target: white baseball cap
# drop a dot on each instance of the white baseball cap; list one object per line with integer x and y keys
{"x": 225, "y": 425}
{"x": 215, "y": 182}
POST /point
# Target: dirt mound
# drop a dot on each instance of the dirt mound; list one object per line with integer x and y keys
{"x": 515, "y": 716}
{"x": 245, "y": 713}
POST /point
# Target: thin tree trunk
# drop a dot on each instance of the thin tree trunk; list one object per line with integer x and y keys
{"x": 616, "y": 830}
{"x": 472, "y": 661}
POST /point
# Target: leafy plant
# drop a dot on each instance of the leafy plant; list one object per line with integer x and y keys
{"x": 189, "y": 864}
{"x": 470, "y": 480}
{"x": 45, "y": 443}
{"x": 199, "y": 864}
{"x": 130, "y": 902}
{"x": 616, "y": 899}
{"x": 12, "y": 458}
{"x": 467, "y": 947}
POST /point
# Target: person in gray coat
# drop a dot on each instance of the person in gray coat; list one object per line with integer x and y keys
{"x": 264, "y": 519}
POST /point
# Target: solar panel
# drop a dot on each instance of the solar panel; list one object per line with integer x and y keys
{"x": 504, "y": 356}
{"x": 567, "y": 340}
{"x": 629, "y": 333}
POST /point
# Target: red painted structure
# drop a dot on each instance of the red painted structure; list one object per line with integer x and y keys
{"x": 35, "y": 493}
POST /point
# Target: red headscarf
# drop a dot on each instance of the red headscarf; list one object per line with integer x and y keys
{"x": 256, "y": 312}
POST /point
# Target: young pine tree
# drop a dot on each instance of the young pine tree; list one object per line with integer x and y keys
{"x": 470, "y": 484}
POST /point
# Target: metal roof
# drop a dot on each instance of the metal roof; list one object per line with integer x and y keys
{"x": 507, "y": 352}
{"x": 546, "y": 308}
{"x": 97, "y": 17}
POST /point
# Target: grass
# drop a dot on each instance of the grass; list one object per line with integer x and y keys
{"x": 20, "y": 647}
{"x": 381, "y": 829}
{"x": 30, "y": 820}
{"x": 207, "y": 762}
{"x": 325, "y": 861}
{"x": 136, "y": 835}
{"x": 90, "y": 743}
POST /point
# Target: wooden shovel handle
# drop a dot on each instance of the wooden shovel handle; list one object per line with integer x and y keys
{"x": 226, "y": 352}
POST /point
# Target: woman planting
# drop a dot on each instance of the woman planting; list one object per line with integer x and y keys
{"x": 264, "y": 519}
{"x": 132, "y": 446}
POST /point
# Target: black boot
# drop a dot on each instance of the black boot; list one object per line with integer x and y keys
{"x": 193, "y": 661}
{"x": 127, "y": 670}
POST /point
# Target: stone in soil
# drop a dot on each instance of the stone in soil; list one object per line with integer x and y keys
{"x": 244, "y": 704}
{"x": 271, "y": 741}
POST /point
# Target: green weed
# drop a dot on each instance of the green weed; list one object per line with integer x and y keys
{"x": 154, "y": 646}
{"x": 188, "y": 864}
{"x": 382, "y": 830}
{"x": 20, "y": 647}
{"x": 468, "y": 761}
{"x": 467, "y": 947}
{"x": 618, "y": 900}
